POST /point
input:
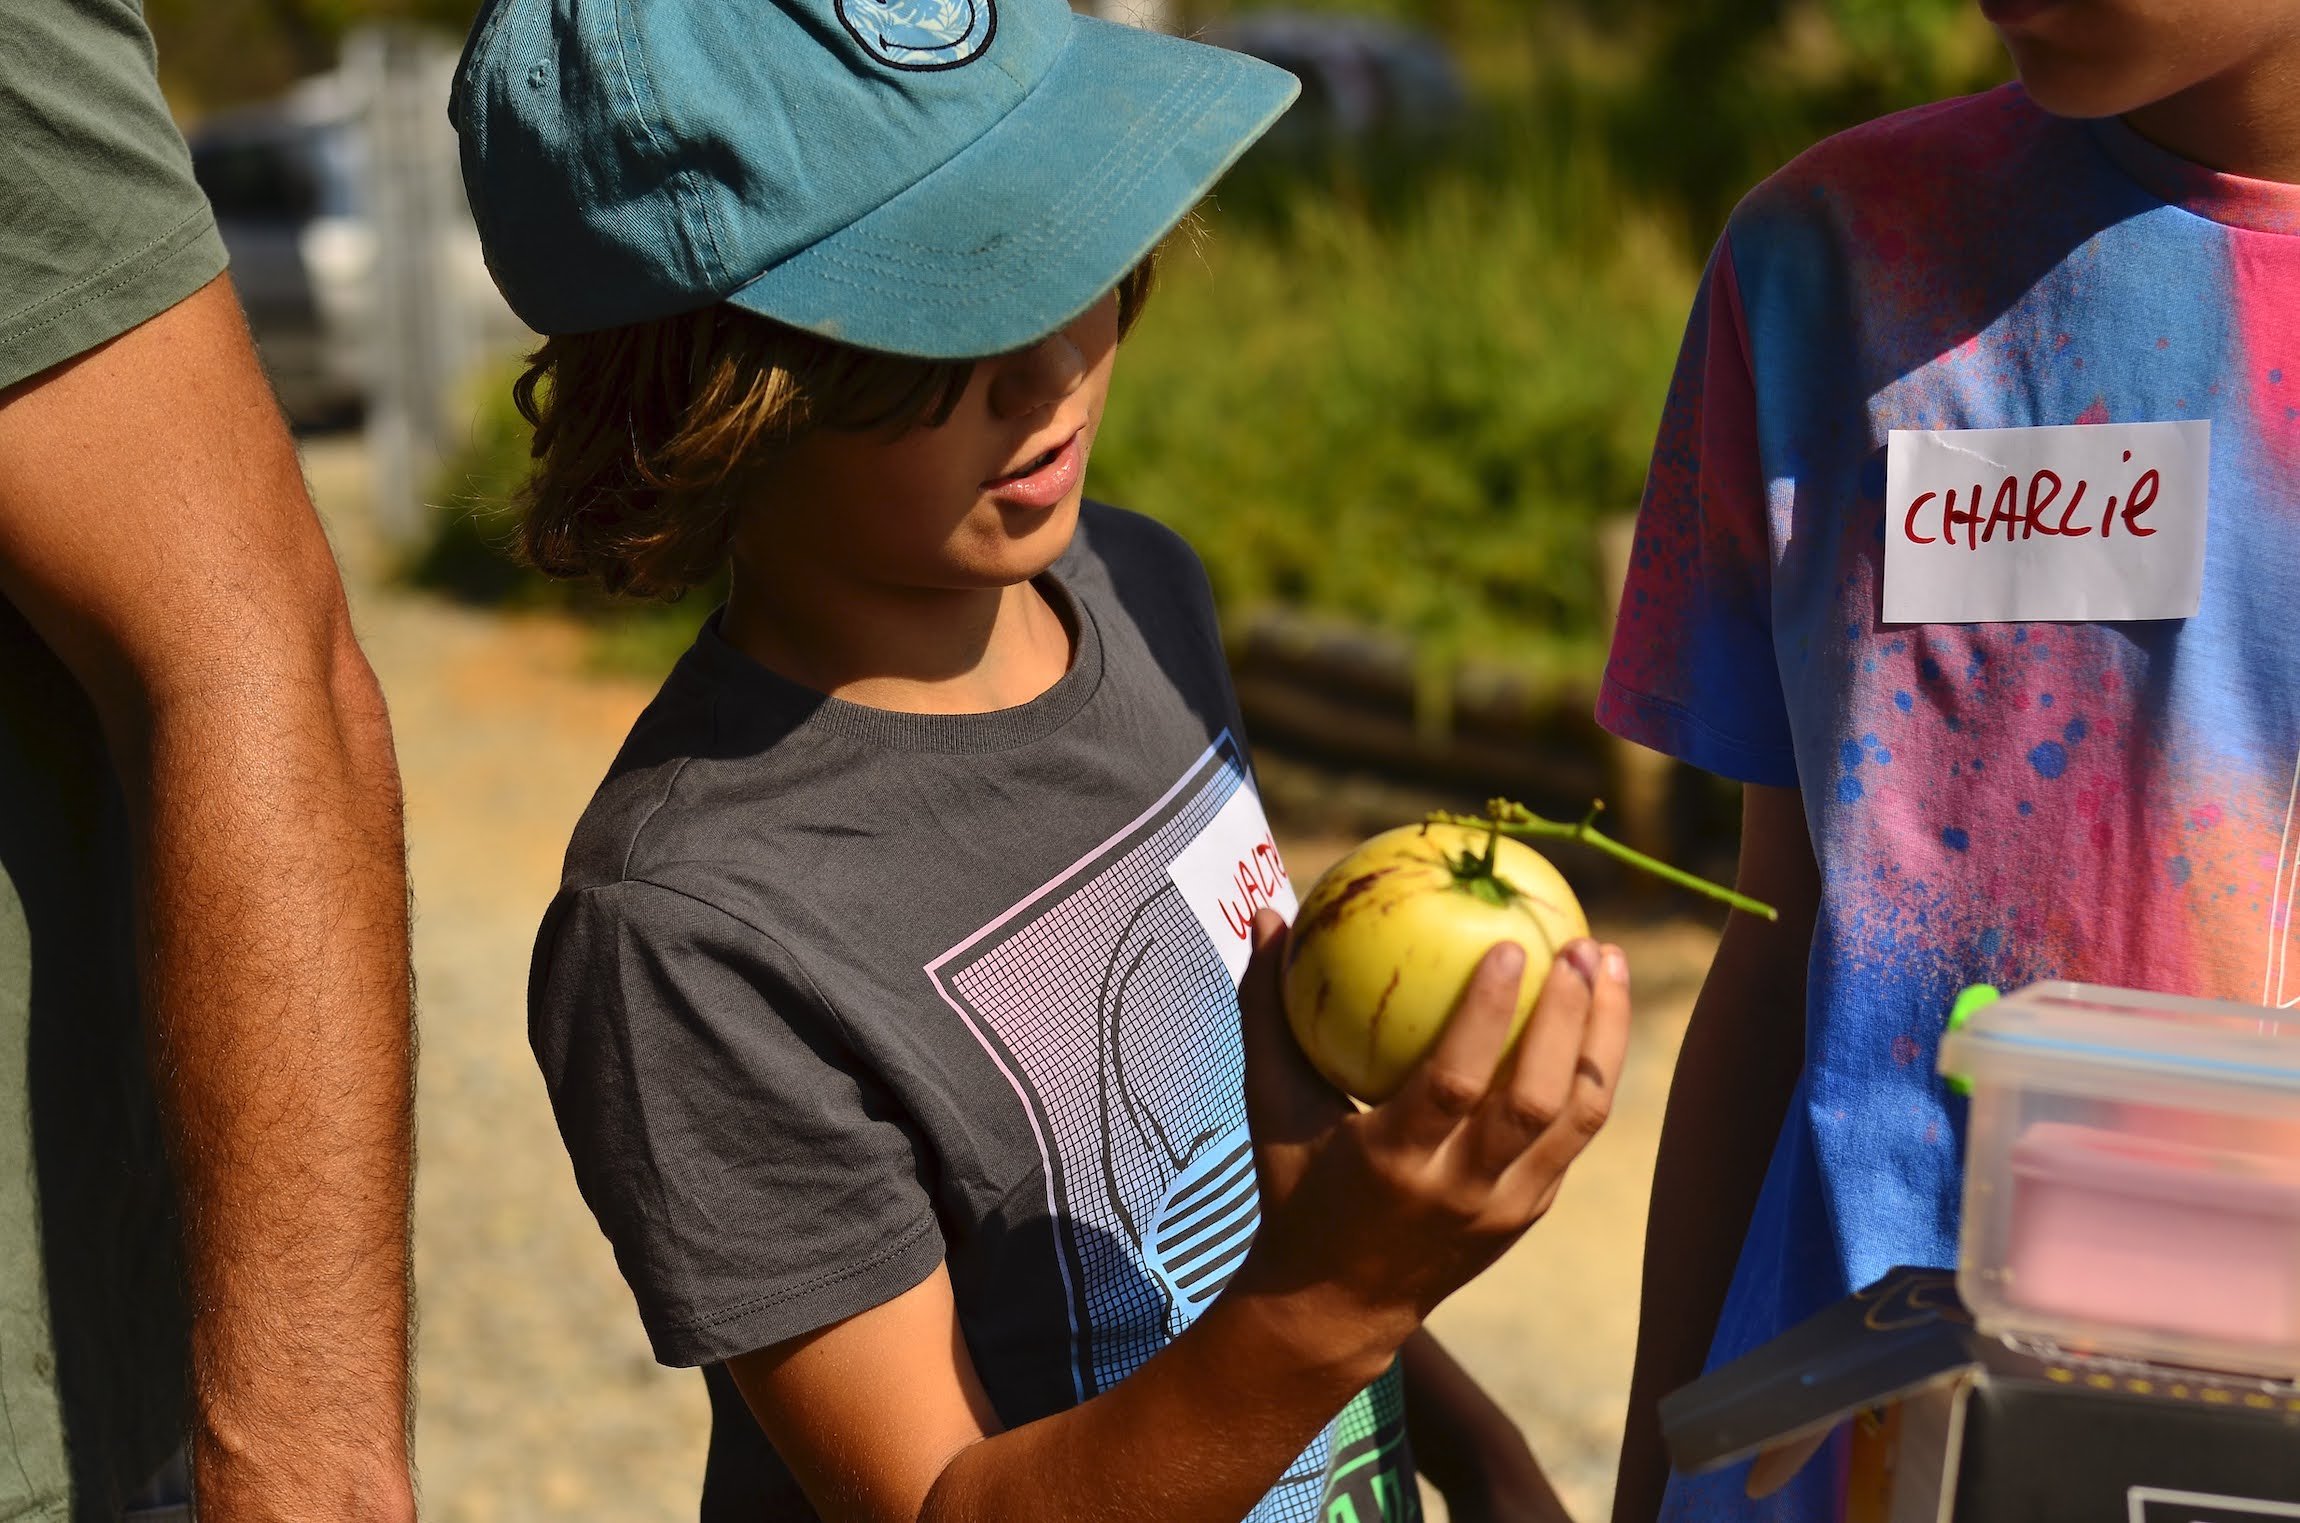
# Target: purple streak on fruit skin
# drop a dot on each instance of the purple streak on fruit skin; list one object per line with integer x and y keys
{"x": 1381, "y": 1008}
{"x": 1332, "y": 910}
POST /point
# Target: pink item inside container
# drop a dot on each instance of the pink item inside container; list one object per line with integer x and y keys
{"x": 2132, "y": 1176}
{"x": 2114, "y": 1227}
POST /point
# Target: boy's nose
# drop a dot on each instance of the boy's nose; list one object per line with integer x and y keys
{"x": 1038, "y": 376}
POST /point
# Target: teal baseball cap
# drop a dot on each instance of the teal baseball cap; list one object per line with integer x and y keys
{"x": 940, "y": 178}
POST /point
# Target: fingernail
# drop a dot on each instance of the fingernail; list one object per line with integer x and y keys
{"x": 1583, "y": 956}
{"x": 1617, "y": 966}
{"x": 1508, "y": 959}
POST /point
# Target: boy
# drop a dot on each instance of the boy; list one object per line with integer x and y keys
{"x": 890, "y": 1005}
{"x": 2043, "y": 734}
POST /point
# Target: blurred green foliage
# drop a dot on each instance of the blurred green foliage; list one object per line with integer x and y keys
{"x": 1398, "y": 384}
{"x": 219, "y": 53}
{"x": 1410, "y": 423}
{"x": 1724, "y": 91}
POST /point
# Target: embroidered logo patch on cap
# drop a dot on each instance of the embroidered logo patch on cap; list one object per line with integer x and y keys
{"x": 922, "y": 34}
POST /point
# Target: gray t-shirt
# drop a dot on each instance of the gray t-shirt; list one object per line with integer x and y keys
{"x": 831, "y": 995}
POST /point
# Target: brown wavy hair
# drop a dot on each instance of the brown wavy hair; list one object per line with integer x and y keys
{"x": 645, "y": 434}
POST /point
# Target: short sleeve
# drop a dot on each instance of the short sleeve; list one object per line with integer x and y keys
{"x": 756, "y": 1181}
{"x": 101, "y": 222}
{"x": 1693, "y": 671}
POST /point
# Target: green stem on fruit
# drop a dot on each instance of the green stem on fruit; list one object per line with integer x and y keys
{"x": 1473, "y": 871}
{"x": 1507, "y": 817}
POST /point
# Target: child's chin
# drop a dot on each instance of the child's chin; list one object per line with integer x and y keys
{"x": 2081, "y": 89}
{"x": 1033, "y": 539}
{"x": 1016, "y": 554}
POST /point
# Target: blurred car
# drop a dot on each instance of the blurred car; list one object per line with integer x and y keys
{"x": 284, "y": 182}
{"x": 1362, "y": 77}
{"x": 292, "y": 187}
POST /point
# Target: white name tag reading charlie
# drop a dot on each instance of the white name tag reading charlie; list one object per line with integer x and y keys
{"x": 2091, "y": 521}
{"x": 1231, "y": 870}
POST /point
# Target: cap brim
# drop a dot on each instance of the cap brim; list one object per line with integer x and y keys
{"x": 1030, "y": 224}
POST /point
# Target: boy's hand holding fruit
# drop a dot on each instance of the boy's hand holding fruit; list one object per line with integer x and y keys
{"x": 1445, "y": 975}
{"x": 1371, "y": 1218}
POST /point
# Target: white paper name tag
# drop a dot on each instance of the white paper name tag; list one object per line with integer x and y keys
{"x": 2089, "y": 521}
{"x": 1229, "y": 872}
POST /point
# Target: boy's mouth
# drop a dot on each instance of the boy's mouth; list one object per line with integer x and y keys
{"x": 1044, "y": 479}
{"x": 1038, "y": 464}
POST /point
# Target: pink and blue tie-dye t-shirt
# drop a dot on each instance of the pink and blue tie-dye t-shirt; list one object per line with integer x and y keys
{"x": 1996, "y": 802}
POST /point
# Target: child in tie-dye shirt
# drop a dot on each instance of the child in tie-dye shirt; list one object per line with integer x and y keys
{"x": 1940, "y": 804}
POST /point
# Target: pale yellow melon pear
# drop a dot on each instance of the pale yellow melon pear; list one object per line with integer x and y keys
{"x": 1386, "y": 940}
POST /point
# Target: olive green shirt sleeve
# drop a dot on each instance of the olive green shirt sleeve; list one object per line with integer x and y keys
{"x": 101, "y": 224}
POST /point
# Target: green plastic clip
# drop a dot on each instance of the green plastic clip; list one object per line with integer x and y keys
{"x": 1976, "y": 997}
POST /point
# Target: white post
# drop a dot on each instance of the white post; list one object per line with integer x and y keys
{"x": 394, "y": 74}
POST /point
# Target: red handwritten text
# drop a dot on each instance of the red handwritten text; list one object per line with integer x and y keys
{"x": 2022, "y": 511}
{"x": 1254, "y": 882}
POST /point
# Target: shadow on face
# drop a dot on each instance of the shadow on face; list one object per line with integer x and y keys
{"x": 2095, "y": 58}
{"x": 921, "y": 507}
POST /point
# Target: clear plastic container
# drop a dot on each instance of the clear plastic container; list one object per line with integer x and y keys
{"x": 2132, "y": 1175}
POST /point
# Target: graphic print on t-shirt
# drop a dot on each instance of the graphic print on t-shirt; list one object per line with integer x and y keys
{"x": 1108, "y": 1001}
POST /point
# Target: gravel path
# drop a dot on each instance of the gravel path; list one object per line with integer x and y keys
{"x": 537, "y": 1397}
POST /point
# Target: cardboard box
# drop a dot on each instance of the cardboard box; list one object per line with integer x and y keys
{"x": 1950, "y": 1426}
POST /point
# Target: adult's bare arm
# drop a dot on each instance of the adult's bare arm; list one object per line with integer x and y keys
{"x": 154, "y": 528}
{"x": 1743, "y": 1050}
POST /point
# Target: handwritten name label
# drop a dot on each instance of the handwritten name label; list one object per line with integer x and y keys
{"x": 1231, "y": 870}
{"x": 2091, "y": 522}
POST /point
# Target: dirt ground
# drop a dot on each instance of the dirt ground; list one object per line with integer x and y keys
{"x": 537, "y": 1397}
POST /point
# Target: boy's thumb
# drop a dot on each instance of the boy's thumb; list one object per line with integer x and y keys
{"x": 1286, "y": 1100}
